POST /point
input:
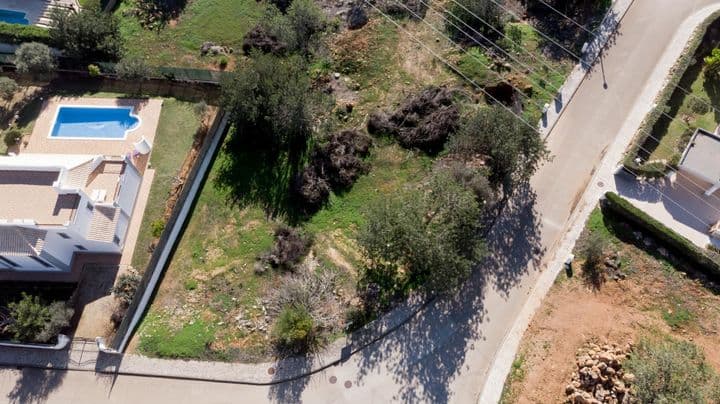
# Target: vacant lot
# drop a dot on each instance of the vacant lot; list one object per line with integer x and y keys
{"x": 178, "y": 43}
{"x": 656, "y": 297}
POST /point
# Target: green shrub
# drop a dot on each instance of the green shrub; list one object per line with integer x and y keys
{"x": 671, "y": 371}
{"x": 705, "y": 260}
{"x": 35, "y": 321}
{"x": 12, "y": 137}
{"x": 223, "y": 62}
{"x": 126, "y": 287}
{"x": 712, "y": 64}
{"x": 8, "y": 88}
{"x": 90, "y": 34}
{"x": 678, "y": 316}
{"x": 594, "y": 254}
{"x": 17, "y": 34}
{"x": 294, "y": 330}
{"x": 157, "y": 227}
{"x": 191, "y": 284}
{"x": 133, "y": 68}
{"x": 699, "y": 105}
{"x": 93, "y": 70}
{"x": 34, "y": 58}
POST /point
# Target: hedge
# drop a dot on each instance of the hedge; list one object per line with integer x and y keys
{"x": 707, "y": 261}
{"x": 17, "y": 34}
{"x": 678, "y": 71}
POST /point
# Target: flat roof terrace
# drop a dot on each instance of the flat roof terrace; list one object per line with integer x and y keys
{"x": 702, "y": 155}
{"x": 30, "y": 195}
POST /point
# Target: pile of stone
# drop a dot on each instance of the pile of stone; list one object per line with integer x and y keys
{"x": 612, "y": 267}
{"x": 600, "y": 377}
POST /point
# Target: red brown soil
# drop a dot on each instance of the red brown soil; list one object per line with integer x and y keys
{"x": 574, "y": 313}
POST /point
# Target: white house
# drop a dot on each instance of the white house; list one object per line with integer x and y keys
{"x": 55, "y": 205}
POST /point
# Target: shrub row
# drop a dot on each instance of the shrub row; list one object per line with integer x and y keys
{"x": 707, "y": 261}
{"x": 17, "y": 34}
{"x": 651, "y": 119}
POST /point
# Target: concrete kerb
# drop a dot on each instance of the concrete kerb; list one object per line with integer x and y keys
{"x": 599, "y": 183}
{"x": 581, "y": 70}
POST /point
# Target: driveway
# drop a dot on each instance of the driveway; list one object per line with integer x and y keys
{"x": 444, "y": 353}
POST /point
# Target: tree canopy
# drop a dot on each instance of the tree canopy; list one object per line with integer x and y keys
{"x": 433, "y": 235}
{"x": 268, "y": 99}
{"x": 90, "y": 35}
{"x": 34, "y": 58}
{"x": 514, "y": 150}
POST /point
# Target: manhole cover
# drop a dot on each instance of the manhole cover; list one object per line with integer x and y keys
{"x": 271, "y": 371}
{"x": 348, "y": 384}
{"x": 333, "y": 379}
{"x": 601, "y": 184}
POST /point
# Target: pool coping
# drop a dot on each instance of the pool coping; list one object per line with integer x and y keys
{"x": 23, "y": 12}
{"x": 125, "y": 134}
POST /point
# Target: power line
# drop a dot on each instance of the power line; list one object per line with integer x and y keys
{"x": 445, "y": 12}
{"x": 468, "y": 53}
{"x": 453, "y": 68}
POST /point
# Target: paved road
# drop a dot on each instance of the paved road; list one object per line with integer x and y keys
{"x": 444, "y": 353}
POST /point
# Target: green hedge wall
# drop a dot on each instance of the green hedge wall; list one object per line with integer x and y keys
{"x": 707, "y": 261}
{"x": 17, "y": 34}
{"x": 688, "y": 57}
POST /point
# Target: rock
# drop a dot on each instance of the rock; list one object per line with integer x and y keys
{"x": 357, "y": 17}
{"x": 205, "y": 48}
{"x": 259, "y": 268}
{"x": 216, "y": 50}
{"x": 569, "y": 389}
{"x": 628, "y": 378}
{"x": 662, "y": 251}
{"x": 336, "y": 75}
{"x": 606, "y": 357}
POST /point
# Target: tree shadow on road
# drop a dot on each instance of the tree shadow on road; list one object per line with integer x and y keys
{"x": 35, "y": 385}
{"x": 290, "y": 391}
{"x": 428, "y": 352}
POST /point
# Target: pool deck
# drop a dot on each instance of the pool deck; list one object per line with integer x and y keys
{"x": 38, "y": 142}
{"x": 35, "y": 9}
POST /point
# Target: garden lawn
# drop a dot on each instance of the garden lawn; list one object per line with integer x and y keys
{"x": 211, "y": 277}
{"x": 223, "y": 22}
{"x": 173, "y": 140}
{"x": 675, "y": 135}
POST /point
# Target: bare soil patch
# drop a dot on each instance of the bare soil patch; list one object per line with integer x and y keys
{"x": 656, "y": 296}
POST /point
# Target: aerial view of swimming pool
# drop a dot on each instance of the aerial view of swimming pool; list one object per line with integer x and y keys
{"x": 85, "y": 122}
{"x": 13, "y": 17}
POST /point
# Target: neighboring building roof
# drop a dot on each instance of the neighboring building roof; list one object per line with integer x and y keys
{"x": 29, "y": 195}
{"x": 21, "y": 241}
{"x": 702, "y": 156}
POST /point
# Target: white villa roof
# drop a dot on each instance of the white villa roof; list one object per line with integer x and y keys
{"x": 702, "y": 156}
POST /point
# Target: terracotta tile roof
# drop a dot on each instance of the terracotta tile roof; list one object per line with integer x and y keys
{"x": 21, "y": 241}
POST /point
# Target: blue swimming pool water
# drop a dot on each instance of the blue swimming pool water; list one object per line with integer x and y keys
{"x": 13, "y": 17}
{"x": 92, "y": 122}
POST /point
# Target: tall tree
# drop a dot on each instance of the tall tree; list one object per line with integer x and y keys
{"x": 514, "y": 150}
{"x": 268, "y": 99}
{"x": 91, "y": 35}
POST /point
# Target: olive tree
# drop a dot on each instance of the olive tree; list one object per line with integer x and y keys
{"x": 8, "y": 87}
{"x": 133, "y": 68}
{"x": 513, "y": 149}
{"x": 268, "y": 100}
{"x": 34, "y": 58}
{"x": 434, "y": 235}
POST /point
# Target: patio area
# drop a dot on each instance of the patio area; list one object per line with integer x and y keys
{"x": 676, "y": 201}
{"x": 38, "y": 11}
{"x": 39, "y": 141}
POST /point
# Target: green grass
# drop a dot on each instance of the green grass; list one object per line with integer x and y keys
{"x": 677, "y": 315}
{"x": 516, "y": 376}
{"x": 190, "y": 341}
{"x": 674, "y": 133}
{"x": 223, "y": 22}
{"x": 173, "y": 140}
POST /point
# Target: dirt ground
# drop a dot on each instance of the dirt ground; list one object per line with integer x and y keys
{"x": 619, "y": 311}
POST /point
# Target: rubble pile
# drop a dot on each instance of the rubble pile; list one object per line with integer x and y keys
{"x": 600, "y": 377}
